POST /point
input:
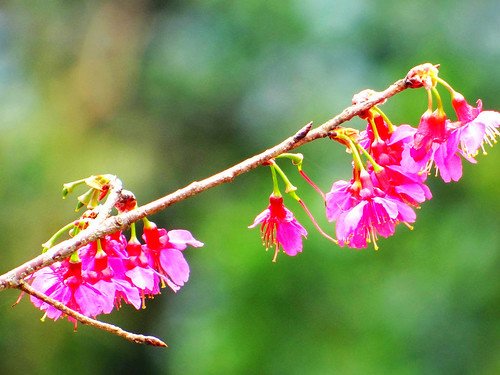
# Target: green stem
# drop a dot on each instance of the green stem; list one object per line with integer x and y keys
{"x": 374, "y": 128}
{"x": 288, "y": 185}
{"x": 296, "y": 159}
{"x": 75, "y": 258}
{"x": 133, "y": 233}
{"x": 376, "y": 167}
{"x": 439, "y": 101}
{"x": 429, "y": 100}
{"x": 69, "y": 186}
{"x": 390, "y": 126}
{"x": 446, "y": 85}
{"x": 355, "y": 154}
{"x": 276, "y": 189}
{"x": 52, "y": 240}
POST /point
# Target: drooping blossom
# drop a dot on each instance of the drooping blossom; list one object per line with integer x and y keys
{"x": 475, "y": 126}
{"x": 111, "y": 270}
{"x": 386, "y": 147}
{"x": 65, "y": 282}
{"x": 103, "y": 263}
{"x": 164, "y": 252}
{"x": 442, "y": 147}
{"x": 431, "y": 130}
{"x": 362, "y": 211}
{"x": 279, "y": 228}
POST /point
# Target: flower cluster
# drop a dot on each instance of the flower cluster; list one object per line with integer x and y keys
{"x": 384, "y": 191}
{"x": 390, "y": 167}
{"x": 102, "y": 274}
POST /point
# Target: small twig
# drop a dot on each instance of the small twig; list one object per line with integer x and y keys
{"x": 303, "y": 136}
{"x": 106, "y": 225}
{"x": 103, "y": 224}
{"x": 64, "y": 249}
{"x": 138, "y": 339}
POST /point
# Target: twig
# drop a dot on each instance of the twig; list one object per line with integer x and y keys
{"x": 138, "y": 339}
{"x": 100, "y": 228}
{"x": 103, "y": 224}
{"x": 302, "y": 137}
{"x": 64, "y": 249}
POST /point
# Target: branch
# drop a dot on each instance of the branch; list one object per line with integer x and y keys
{"x": 303, "y": 136}
{"x": 64, "y": 249}
{"x": 106, "y": 225}
{"x": 138, "y": 339}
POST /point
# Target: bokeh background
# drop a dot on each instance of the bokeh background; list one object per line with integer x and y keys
{"x": 164, "y": 92}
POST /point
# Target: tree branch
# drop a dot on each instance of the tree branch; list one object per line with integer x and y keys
{"x": 138, "y": 339}
{"x": 64, "y": 249}
{"x": 104, "y": 224}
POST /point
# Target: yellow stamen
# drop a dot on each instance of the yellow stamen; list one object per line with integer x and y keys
{"x": 276, "y": 251}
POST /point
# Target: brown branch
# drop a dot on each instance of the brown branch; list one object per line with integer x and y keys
{"x": 105, "y": 225}
{"x": 303, "y": 136}
{"x": 64, "y": 249}
{"x": 138, "y": 339}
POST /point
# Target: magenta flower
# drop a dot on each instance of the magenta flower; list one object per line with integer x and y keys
{"x": 279, "y": 228}
{"x": 64, "y": 282}
{"x": 362, "y": 211}
{"x": 464, "y": 137}
{"x": 475, "y": 126}
{"x": 431, "y": 129}
{"x": 141, "y": 274}
{"x": 387, "y": 151}
{"x": 104, "y": 268}
{"x": 164, "y": 252}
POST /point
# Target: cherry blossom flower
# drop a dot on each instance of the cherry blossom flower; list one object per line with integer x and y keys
{"x": 362, "y": 211}
{"x": 103, "y": 262}
{"x": 387, "y": 148}
{"x": 111, "y": 270}
{"x": 64, "y": 282}
{"x": 279, "y": 228}
{"x": 164, "y": 252}
{"x": 475, "y": 126}
{"x": 440, "y": 142}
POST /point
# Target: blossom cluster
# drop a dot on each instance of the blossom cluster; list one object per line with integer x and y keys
{"x": 391, "y": 164}
{"x": 111, "y": 270}
{"x": 390, "y": 167}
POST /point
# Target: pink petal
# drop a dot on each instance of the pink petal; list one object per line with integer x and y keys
{"x": 175, "y": 266}
{"x": 353, "y": 217}
{"x": 389, "y": 207}
{"x": 471, "y": 137}
{"x": 289, "y": 235}
{"x": 143, "y": 278}
{"x": 180, "y": 238}
{"x": 263, "y": 216}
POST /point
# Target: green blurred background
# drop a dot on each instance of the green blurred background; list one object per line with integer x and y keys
{"x": 164, "y": 92}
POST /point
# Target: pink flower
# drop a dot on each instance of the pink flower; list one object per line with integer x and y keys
{"x": 433, "y": 146}
{"x": 164, "y": 252}
{"x": 64, "y": 282}
{"x": 104, "y": 269}
{"x": 387, "y": 151}
{"x": 141, "y": 274}
{"x": 432, "y": 129}
{"x": 280, "y": 228}
{"x": 475, "y": 126}
{"x": 362, "y": 211}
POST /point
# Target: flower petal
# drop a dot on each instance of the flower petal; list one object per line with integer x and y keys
{"x": 175, "y": 266}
